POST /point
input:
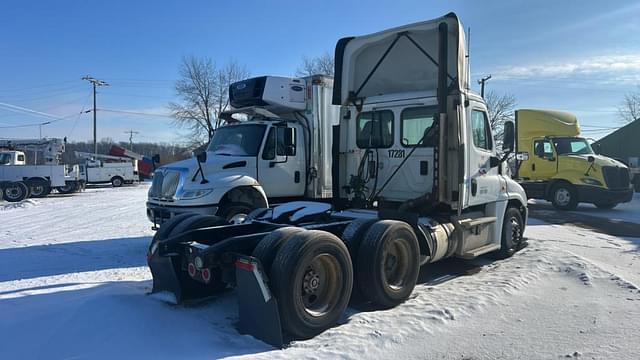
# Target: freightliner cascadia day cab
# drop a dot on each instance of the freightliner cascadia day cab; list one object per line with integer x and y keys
{"x": 416, "y": 179}
{"x": 555, "y": 164}
{"x": 276, "y": 147}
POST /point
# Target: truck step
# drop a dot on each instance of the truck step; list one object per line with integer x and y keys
{"x": 471, "y": 223}
{"x": 479, "y": 251}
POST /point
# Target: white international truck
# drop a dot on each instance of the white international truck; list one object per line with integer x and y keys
{"x": 18, "y": 180}
{"x": 417, "y": 178}
{"x": 276, "y": 147}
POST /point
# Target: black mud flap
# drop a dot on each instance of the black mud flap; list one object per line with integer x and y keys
{"x": 164, "y": 276}
{"x": 258, "y": 308}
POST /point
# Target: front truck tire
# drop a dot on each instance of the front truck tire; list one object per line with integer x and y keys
{"x": 388, "y": 263}
{"x": 512, "y": 233}
{"x": 564, "y": 196}
{"x": 236, "y": 212}
{"x": 312, "y": 278}
{"x": 15, "y": 191}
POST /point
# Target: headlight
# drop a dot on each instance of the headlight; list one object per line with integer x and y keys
{"x": 590, "y": 181}
{"x": 194, "y": 194}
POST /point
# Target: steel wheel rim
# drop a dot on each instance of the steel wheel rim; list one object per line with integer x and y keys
{"x": 238, "y": 218}
{"x": 13, "y": 192}
{"x": 321, "y": 283}
{"x": 117, "y": 182}
{"x": 516, "y": 231}
{"x": 563, "y": 196}
{"x": 37, "y": 190}
{"x": 395, "y": 263}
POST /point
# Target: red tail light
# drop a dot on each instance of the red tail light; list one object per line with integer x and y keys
{"x": 192, "y": 270}
{"x": 206, "y": 275}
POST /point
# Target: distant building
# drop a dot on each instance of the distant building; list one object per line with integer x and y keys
{"x": 623, "y": 144}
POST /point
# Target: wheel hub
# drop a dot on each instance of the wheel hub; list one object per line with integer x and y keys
{"x": 311, "y": 281}
{"x": 563, "y": 197}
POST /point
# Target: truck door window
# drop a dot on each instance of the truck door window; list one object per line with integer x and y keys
{"x": 374, "y": 129}
{"x": 481, "y": 130}
{"x": 5, "y": 159}
{"x": 20, "y": 157}
{"x": 543, "y": 149}
{"x": 416, "y": 123}
{"x": 276, "y": 144}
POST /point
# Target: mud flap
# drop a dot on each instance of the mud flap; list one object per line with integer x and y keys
{"x": 257, "y": 307}
{"x": 164, "y": 276}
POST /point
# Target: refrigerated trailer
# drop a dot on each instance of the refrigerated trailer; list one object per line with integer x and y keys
{"x": 416, "y": 179}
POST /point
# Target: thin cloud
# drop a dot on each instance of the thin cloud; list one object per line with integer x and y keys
{"x": 599, "y": 69}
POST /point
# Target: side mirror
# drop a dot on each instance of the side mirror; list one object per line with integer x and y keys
{"x": 156, "y": 159}
{"x": 508, "y": 141}
{"x": 591, "y": 159}
{"x": 202, "y": 157}
{"x": 494, "y": 162}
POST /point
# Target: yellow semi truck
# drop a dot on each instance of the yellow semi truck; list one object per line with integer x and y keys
{"x": 555, "y": 164}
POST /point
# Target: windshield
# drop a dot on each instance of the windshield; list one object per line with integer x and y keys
{"x": 238, "y": 140}
{"x": 566, "y": 146}
{"x": 5, "y": 158}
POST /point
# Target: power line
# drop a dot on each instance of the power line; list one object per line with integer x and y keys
{"x": 135, "y": 112}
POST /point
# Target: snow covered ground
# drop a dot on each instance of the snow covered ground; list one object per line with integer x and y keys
{"x": 623, "y": 212}
{"x": 73, "y": 284}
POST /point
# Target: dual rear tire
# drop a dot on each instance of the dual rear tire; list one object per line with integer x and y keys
{"x": 15, "y": 191}
{"x": 313, "y": 273}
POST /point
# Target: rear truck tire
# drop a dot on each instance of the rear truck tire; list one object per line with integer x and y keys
{"x": 311, "y": 278}
{"x": 388, "y": 263}
{"x": 15, "y": 191}
{"x": 268, "y": 247}
{"x": 564, "y": 197}
{"x": 40, "y": 189}
{"x": 512, "y": 233}
{"x": 235, "y": 213}
{"x": 66, "y": 189}
{"x": 352, "y": 237}
{"x": 606, "y": 205}
{"x": 117, "y": 181}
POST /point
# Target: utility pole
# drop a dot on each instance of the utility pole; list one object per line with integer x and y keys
{"x": 95, "y": 83}
{"x": 481, "y": 82}
{"x": 131, "y": 132}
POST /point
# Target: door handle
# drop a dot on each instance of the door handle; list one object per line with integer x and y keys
{"x": 533, "y": 167}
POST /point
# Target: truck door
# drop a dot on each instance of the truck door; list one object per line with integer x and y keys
{"x": 544, "y": 160}
{"x": 484, "y": 180}
{"x": 281, "y": 165}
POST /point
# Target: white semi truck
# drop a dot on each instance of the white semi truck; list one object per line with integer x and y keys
{"x": 277, "y": 147}
{"x": 417, "y": 178}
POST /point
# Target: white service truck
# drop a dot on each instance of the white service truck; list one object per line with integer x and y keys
{"x": 417, "y": 179}
{"x": 19, "y": 180}
{"x": 104, "y": 169}
{"x": 276, "y": 147}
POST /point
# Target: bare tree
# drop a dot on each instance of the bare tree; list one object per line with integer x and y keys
{"x": 501, "y": 108}
{"x": 322, "y": 64}
{"x": 629, "y": 110}
{"x": 204, "y": 92}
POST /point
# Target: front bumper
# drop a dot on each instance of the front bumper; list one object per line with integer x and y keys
{"x": 159, "y": 213}
{"x": 592, "y": 194}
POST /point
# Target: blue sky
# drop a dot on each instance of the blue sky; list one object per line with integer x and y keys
{"x": 579, "y": 56}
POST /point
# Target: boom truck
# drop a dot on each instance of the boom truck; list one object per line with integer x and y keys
{"x": 18, "y": 180}
{"x": 416, "y": 179}
{"x": 275, "y": 148}
{"x": 102, "y": 169}
{"x": 554, "y": 163}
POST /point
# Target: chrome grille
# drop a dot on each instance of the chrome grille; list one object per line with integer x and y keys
{"x": 616, "y": 177}
{"x": 164, "y": 184}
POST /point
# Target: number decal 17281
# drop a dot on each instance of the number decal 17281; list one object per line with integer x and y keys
{"x": 398, "y": 154}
